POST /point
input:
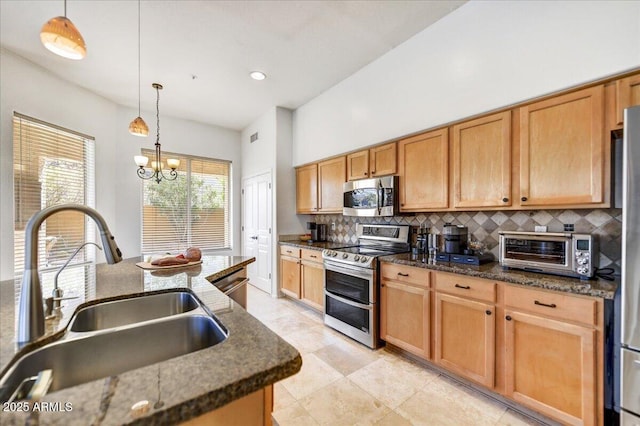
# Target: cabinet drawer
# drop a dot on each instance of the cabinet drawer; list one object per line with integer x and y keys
{"x": 289, "y": 251}
{"x": 476, "y": 288}
{"x": 311, "y": 255}
{"x": 556, "y": 305}
{"x": 405, "y": 274}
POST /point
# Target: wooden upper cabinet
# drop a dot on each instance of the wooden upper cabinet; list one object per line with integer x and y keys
{"x": 482, "y": 162}
{"x": 331, "y": 177}
{"x": 307, "y": 189}
{"x": 423, "y": 166}
{"x": 374, "y": 162}
{"x": 627, "y": 95}
{"x": 358, "y": 165}
{"x": 382, "y": 160}
{"x": 562, "y": 150}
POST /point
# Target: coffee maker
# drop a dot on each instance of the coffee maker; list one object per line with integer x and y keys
{"x": 318, "y": 231}
{"x": 455, "y": 238}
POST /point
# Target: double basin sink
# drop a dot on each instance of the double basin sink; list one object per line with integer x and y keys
{"x": 109, "y": 338}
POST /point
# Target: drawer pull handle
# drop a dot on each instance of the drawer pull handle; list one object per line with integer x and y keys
{"x": 553, "y": 305}
{"x": 312, "y": 255}
{"x": 289, "y": 251}
{"x": 488, "y": 312}
{"x": 508, "y": 317}
{"x": 464, "y": 287}
{"x": 403, "y": 275}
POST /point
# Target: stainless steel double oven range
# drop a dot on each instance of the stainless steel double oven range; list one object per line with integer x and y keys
{"x": 351, "y": 285}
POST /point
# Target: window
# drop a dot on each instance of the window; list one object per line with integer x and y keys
{"x": 53, "y": 166}
{"x": 192, "y": 210}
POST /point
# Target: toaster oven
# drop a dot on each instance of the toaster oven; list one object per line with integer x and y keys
{"x": 567, "y": 254}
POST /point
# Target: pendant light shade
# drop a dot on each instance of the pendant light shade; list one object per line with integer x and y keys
{"x": 138, "y": 127}
{"x": 61, "y": 37}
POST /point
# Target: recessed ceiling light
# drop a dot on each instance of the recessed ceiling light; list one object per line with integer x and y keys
{"x": 257, "y": 75}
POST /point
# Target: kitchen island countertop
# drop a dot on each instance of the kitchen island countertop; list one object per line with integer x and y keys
{"x": 182, "y": 388}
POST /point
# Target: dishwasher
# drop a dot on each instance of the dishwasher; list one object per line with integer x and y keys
{"x": 234, "y": 285}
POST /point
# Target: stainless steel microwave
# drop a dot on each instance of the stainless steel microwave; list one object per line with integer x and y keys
{"x": 371, "y": 197}
{"x": 558, "y": 253}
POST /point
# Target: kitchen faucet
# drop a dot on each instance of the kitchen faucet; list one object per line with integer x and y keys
{"x": 53, "y": 302}
{"x": 31, "y": 311}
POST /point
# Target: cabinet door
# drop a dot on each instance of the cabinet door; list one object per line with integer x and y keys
{"x": 383, "y": 160}
{"x": 312, "y": 279}
{"x": 562, "y": 150}
{"x": 627, "y": 94}
{"x": 331, "y": 177}
{"x": 404, "y": 317}
{"x": 482, "y": 162}
{"x": 307, "y": 189}
{"x": 424, "y": 171}
{"x": 358, "y": 165}
{"x": 290, "y": 276}
{"x": 465, "y": 338}
{"x": 551, "y": 367}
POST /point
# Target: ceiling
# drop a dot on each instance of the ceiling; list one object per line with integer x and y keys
{"x": 202, "y": 51}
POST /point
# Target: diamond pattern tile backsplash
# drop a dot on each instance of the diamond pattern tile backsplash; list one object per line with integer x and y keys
{"x": 605, "y": 224}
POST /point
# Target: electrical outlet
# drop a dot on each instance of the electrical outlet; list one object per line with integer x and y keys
{"x": 333, "y": 226}
{"x": 540, "y": 228}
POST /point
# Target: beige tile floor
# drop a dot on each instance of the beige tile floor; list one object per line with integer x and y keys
{"x": 344, "y": 383}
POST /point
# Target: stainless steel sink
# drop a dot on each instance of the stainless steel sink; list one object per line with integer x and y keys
{"x": 129, "y": 311}
{"x": 84, "y": 357}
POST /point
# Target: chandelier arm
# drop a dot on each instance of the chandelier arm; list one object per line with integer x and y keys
{"x": 142, "y": 173}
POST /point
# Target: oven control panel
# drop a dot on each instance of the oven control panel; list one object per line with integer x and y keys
{"x": 348, "y": 258}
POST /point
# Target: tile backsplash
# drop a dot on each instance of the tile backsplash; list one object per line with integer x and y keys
{"x": 605, "y": 224}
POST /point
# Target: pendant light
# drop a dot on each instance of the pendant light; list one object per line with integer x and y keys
{"x": 138, "y": 127}
{"x": 61, "y": 37}
{"x": 157, "y": 165}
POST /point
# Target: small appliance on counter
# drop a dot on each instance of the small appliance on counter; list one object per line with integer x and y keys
{"x": 559, "y": 253}
{"x": 456, "y": 247}
{"x": 455, "y": 238}
{"x": 318, "y": 232}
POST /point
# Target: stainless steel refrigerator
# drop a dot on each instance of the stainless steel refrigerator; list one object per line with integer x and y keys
{"x": 630, "y": 279}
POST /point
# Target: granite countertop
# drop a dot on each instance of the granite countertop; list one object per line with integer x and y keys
{"x": 493, "y": 271}
{"x": 316, "y": 245}
{"x": 251, "y": 358}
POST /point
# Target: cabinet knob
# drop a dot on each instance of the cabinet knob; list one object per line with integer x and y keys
{"x": 488, "y": 312}
{"x": 523, "y": 199}
{"x": 401, "y": 204}
{"x": 373, "y": 172}
{"x": 505, "y": 200}
{"x": 381, "y": 285}
{"x": 508, "y": 317}
{"x": 365, "y": 173}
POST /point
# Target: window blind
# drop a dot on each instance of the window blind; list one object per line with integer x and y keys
{"x": 53, "y": 166}
{"x": 192, "y": 211}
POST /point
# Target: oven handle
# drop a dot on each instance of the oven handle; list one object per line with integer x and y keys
{"x": 348, "y": 302}
{"x": 364, "y": 273}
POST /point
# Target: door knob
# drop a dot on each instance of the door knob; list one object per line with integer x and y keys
{"x": 255, "y": 237}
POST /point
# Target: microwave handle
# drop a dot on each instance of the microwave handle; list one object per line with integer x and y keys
{"x": 381, "y": 194}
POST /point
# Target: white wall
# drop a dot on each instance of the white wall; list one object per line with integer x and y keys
{"x": 31, "y": 90}
{"x": 272, "y": 153}
{"x": 483, "y": 56}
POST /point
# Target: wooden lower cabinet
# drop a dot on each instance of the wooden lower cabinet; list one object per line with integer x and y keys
{"x": 290, "y": 276}
{"x": 252, "y": 410}
{"x": 312, "y": 284}
{"x": 465, "y": 338}
{"x": 551, "y": 367}
{"x": 404, "y": 317}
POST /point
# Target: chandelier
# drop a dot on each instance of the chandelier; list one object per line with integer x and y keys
{"x": 61, "y": 37}
{"x": 157, "y": 165}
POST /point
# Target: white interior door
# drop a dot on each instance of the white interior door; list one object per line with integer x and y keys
{"x": 256, "y": 229}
